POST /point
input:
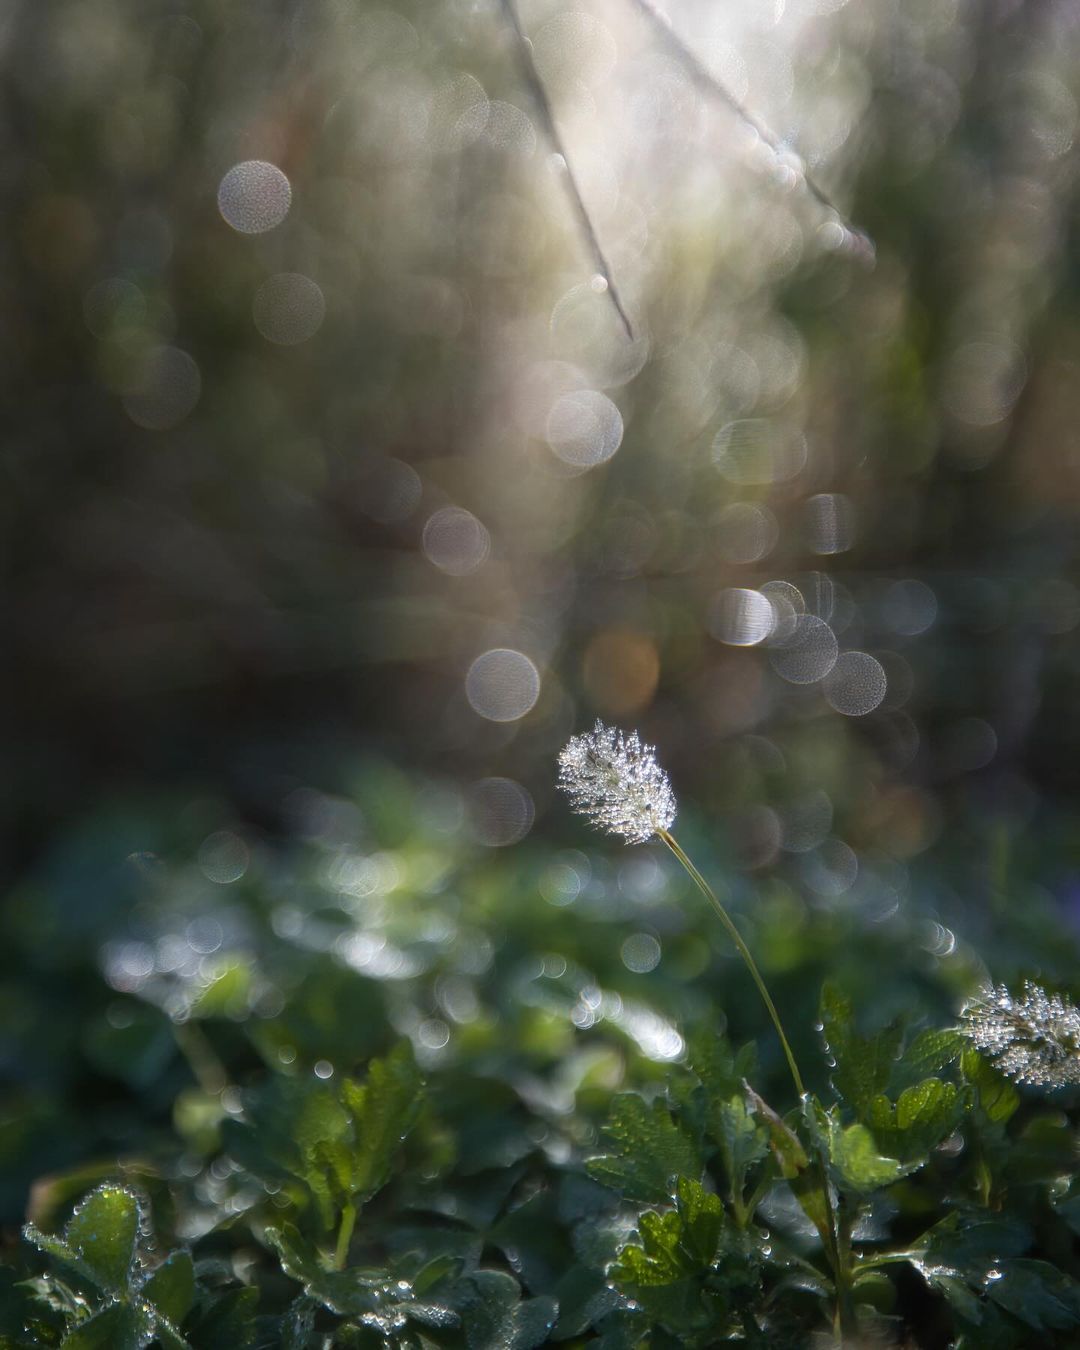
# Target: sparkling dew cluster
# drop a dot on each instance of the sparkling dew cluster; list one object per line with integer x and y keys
{"x": 617, "y": 784}
{"x": 1033, "y": 1038}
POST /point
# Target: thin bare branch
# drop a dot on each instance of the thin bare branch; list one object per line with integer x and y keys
{"x": 861, "y": 242}
{"x": 547, "y": 116}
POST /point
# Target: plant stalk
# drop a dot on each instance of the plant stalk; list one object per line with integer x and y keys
{"x": 344, "y": 1237}
{"x": 743, "y": 950}
{"x": 844, "y": 1322}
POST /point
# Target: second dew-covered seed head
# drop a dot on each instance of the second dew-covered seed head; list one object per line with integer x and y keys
{"x": 1033, "y": 1038}
{"x": 616, "y": 783}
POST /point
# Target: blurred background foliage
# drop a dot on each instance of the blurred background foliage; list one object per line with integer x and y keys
{"x": 336, "y": 498}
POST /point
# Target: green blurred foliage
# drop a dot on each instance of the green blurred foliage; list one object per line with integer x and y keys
{"x": 330, "y": 513}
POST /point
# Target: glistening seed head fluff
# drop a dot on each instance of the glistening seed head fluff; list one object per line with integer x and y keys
{"x": 616, "y": 783}
{"x": 1034, "y": 1038}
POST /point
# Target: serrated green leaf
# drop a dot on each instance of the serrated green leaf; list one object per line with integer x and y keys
{"x": 384, "y": 1109}
{"x": 928, "y": 1055}
{"x": 171, "y": 1287}
{"x": 918, "y": 1121}
{"x": 743, "y": 1140}
{"x": 863, "y": 1064}
{"x": 103, "y": 1232}
{"x": 648, "y": 1151}
{"x": 667, "y": 1271}
{"x": 720, "y": 1071}
{"x": 121, "y": 1326}
{"x": 680, "y": 1243}
{"x": 333, "y": 1158}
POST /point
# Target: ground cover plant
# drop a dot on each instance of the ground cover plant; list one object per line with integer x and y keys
{"x": 397, "y": 389}
{"x": 391, "y": 1092}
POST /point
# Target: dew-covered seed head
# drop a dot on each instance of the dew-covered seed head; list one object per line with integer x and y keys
{"x": 616, "y": 783}
{"x": 1033, "y": 1038}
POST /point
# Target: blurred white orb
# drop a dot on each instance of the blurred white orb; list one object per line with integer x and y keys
{"x": 166, "y": 387}
{"x": 288, "y": 308}
{"x": 909, "y": 607}
{"x": 856, "y": 685}
{"x": 808, "y": 654}
{"x": 254, "y": 196}
{"x": 746, "y": 531}
{"x": 741, "y": 617}
{"x": 640, "y": 953}
{"x": 758, "y": 451}
{"x": 502, "y": 685}
{"x": 584, "y": 428}
{"x": 500, "y": 811}
{"x": 830, "y": 522}
{"x": 455, "y": 541}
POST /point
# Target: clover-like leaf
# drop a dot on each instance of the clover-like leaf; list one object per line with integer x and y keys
{"x": 171, "y": 1287}
{"x": 100, "y": 1239}
{"x": 120, "y": 1326}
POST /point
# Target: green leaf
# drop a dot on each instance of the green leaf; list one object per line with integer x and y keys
{"x": 226, "y": 1322}
{"x": 103, "y": 1232}
{"x": 383, "y": 1110}
{"x": 676, "y": 1244}
{"x": 928, "y": 1055}
{"x": 719, "y": 1071}
{"x": 963, "y": 1261}
{"x": 996, "y": 1097}
{"x": 494, "y": 1315}
{"x": 228, "y": 992}
{"x": 121, "y": 1326}
{"x": 648, "y": 1151}
{"x": 667, "y": 1271}
{"x": 171, "y": 1287}
{"x": 807, "y": 1183}
{"x": 743, "y": 1141}
{"x": 853, "y": 1153}
{"x": 863, "y": 1064}
{"x": 919, "y": 1120}
{"x": 58, "y": 1249}
{"x": 1036, "y": 1292}
{"x": 344, "y": 1292}
{"x": 298, "y": 1325}
{"x": 791, "y": 1156}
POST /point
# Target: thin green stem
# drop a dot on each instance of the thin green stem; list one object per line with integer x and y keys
{"x": 202, "y": 1059}
{"x": 743, "y": 950}
{"x": 344, "y": 1237}
{"x": 838, "y": 1247}
{"x": 888, "y": 1259}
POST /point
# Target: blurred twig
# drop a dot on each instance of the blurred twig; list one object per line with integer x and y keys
{"x": 861, "y": 242}
{"x": 536, "y": 84}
